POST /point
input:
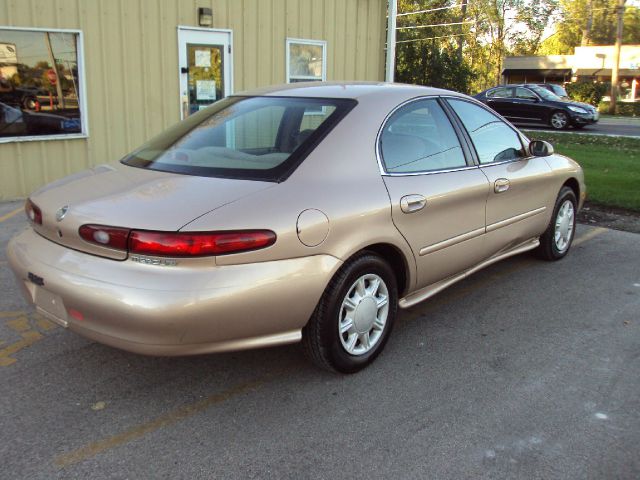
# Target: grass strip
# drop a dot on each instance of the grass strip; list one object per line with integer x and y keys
{"x": 611, "y": 165}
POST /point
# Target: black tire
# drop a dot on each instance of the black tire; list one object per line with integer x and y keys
{"x": 559, "y": 120}
{"x": 548, "y": 249}
{"x": 321, "y": 338}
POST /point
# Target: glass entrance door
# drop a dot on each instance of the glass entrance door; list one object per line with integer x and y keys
{"x": 205, "y": 70}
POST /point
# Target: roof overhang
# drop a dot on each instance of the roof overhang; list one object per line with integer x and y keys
{"x": 606, "y": 72}
{"x": 545, "y": 72}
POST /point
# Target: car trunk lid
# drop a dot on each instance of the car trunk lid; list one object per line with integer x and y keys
{"x": 121, "y": 196}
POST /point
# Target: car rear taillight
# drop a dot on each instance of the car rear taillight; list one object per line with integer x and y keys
{"x": 33, "y": 212}
{"x": 111, "y": 237}
{"x": 196, "y": 244}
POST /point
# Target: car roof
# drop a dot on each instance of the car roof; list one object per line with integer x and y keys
{"x": 349, "y": 90}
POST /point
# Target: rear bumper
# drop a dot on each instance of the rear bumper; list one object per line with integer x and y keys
{"x": 170, "y": 310}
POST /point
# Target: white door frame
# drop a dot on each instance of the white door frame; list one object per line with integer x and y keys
{"x": 183, "y": 32}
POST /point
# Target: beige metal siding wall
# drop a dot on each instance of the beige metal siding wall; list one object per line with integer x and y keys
{"x": 131, "y": 65}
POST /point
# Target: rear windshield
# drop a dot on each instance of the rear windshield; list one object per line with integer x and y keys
{"x": 252, "y": 138}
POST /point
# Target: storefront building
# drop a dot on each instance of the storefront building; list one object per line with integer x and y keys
{"x": 592, "y": 63}
{"x": 84, "y": 82}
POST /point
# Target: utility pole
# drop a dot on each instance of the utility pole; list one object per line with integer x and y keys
{"x": 463, "y": 15}
{"x": 52, "y": 59}
{"x": 391, "y": 40}
{"x": 616, "y": 58}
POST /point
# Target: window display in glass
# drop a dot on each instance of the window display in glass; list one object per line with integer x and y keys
{"x": 39, "y": 84}
{"x": 205, "y": 76}
{"x": 306, "y": 62}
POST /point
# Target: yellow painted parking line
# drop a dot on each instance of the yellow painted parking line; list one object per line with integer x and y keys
{"x": 94, "y": 448}
{"x": 589, "y": 235}
{"x": 45, "y": 324}
{"x": 19, "y": 325}
{"x": 11, "y": 214}
{"x": 28, "y": 338}
{"x": 23, "y": 325}
{"x": 12, "y": 314}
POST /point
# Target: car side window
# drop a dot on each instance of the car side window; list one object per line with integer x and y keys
{"x": 420, "y": 138}
{"x": 494, "y": 140}
{"x": 525, "y": 93}
{"x": 500, "y": 93}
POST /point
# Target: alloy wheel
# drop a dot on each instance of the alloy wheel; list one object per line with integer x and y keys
{"x": 559, "y": 120}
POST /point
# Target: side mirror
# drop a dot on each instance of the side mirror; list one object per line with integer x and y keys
{"x": 540, "y": 148}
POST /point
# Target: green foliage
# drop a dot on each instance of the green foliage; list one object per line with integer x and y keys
{"x": 466, "y": 57}
{"x": 434, "y": 62}
{"x": 588, "y": 92}
{"x": 624, "y": 109}
{"x": 424, "y": 63}
{"x": 573, "y": 25}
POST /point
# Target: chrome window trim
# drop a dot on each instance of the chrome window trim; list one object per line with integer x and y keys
{"x": 381, "y": 168}
{"x": 430, "y": 172}
{"x": 496, "y": 89}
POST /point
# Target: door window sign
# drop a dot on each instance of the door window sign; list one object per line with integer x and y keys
{"x": 203, "y": 58}
{"x": 205, "y": 89}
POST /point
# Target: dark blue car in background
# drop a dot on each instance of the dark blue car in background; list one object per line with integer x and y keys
{"x": 528, "y": 104}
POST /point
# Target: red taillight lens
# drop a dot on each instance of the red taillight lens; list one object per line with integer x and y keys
{"x": 33, "y": 212}
{"x": 111, "y": 237}
{"x": 198, "y": 243}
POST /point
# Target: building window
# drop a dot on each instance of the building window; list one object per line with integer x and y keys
{"x": 41, "y": 84}
{"x": 306, "y": 60}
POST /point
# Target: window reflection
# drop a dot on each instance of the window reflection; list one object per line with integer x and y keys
{"x": 39, "y": 84}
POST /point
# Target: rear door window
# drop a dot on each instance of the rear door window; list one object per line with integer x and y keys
{"x": 420, "y": 138}
{"x": 493, "y": 139}
{"x": 502, "y": 92}
{"x": 525, "y": 93}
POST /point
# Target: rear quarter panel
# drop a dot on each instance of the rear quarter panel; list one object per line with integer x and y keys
{"x": 341, "y": 178}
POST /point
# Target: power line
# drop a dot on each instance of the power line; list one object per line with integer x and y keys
{"x": 431, "y": 10}
{"x": 434, "y": 38}
{"x": 434, "y": 25}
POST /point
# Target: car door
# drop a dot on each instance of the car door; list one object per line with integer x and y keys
{"x": 437, "y": 197}
{"x": 529, "y": 107}
{"x": 501, "y": 100}
{"x": 520, "y": 185}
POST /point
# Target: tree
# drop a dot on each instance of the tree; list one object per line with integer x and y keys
{"x": 572, "y": 26}
{"x": 464, "y": 46}
{"x": 424, "y": 60}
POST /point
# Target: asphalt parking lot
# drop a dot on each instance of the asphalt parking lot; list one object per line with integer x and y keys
{"x": 526, "y": 370}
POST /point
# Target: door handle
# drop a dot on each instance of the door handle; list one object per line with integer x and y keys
{"x": 412, "y": 203}
{"x": 501, "y": 185}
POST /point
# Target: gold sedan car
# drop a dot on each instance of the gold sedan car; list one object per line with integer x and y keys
{"x": 306, "y": 212}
